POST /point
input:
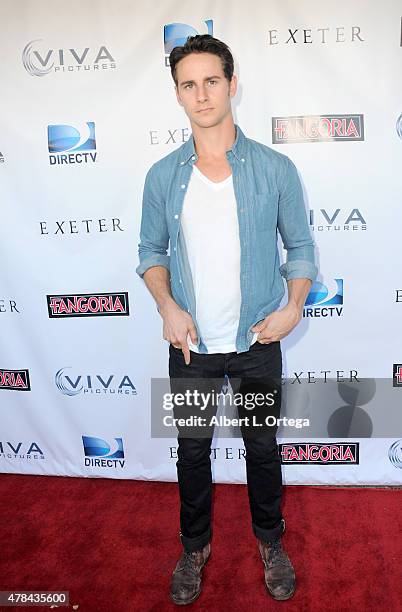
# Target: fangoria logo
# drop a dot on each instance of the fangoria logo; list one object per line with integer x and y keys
{"x": 317, "y": 128}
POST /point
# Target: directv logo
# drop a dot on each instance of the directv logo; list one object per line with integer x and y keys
{"x": 322, "y": 302}
{"x": 98, "y": 453}
{"x": 76, "y": 147}
{"x": 176, "y": 34}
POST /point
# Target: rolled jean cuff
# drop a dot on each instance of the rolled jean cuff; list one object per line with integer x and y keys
{"x": 269, "y": 535}
{"x": 192, "y": 544}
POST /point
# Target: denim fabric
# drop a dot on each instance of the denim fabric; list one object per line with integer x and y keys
{"x": 269, "y": 198}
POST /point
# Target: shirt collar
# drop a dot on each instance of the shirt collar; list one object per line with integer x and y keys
{"x": 238, "y": 148}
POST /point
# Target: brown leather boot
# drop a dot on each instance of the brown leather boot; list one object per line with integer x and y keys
{"x": 280, "y": 578}
{"x": 187, "y": 575}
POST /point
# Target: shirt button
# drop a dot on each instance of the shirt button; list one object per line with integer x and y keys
{"x": 181, "y": 163}
{"x": 193, "y": 157}
{"x": 183, "y": 186}
{"x": 176, "y": 216}
{"x": 180, "y": 281}
{"x": 174, "y": 248}
{"x": 242, "y": 159}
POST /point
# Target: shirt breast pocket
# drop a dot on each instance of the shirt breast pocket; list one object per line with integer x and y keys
{"x": 265, "y": 210}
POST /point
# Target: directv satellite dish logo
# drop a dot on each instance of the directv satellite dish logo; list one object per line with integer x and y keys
{"x": 395, "y": 454}
{"x": 176, "y": 34}
{"x": 99, "y": 453}
{"x": 327, "y": 301}
{"x": 71, "y": 141}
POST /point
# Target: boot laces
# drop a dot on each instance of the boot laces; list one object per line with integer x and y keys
{"x": 190, "y": 560}
{"x": 276, "y": 554}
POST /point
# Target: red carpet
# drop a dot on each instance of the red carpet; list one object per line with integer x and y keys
{"x": 114, "y": 543}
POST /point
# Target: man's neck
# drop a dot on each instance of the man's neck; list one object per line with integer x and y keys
{"x": 213, "y": 142}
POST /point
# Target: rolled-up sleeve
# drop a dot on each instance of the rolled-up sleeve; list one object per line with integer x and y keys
{"x": 294, "y": 228}
{"x": 154, "y": 235}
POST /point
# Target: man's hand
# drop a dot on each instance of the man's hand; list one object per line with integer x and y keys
{"x": 278, "y": 324}
{"x": 176, "y": 325}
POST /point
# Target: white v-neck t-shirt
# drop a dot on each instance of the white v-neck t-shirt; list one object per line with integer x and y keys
{"x": 211, "y": 231}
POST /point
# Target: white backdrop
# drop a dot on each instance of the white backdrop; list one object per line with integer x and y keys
{"x": 71, "y": 228}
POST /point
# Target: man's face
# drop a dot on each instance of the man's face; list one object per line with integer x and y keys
{"x": 203, "y": 90}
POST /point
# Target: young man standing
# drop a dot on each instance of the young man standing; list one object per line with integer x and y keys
{"x": 220, "y": 199}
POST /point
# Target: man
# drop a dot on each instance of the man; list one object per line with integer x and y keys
{"x": 220, "y": 199}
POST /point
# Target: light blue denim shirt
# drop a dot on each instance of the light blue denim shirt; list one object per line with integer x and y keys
{"x": 269, "y": 198}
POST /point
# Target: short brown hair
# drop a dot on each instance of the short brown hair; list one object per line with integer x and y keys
{"x": 202, "y": 43}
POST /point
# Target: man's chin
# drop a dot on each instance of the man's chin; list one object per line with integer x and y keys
{"x": 206, "y": 122}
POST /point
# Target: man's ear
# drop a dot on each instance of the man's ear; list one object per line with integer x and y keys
{"x": 233, "y": 86}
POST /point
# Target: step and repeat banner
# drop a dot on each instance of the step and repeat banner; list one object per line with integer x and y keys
{"x": 87, "y": 105}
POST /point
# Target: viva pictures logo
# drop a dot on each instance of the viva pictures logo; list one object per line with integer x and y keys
{"x": 337, "y": 220}
{"x": 30, "y": 451}
{"x": 100, "y": 453}
{"x": 88, "y": 384}
{"x": 38, "y": 60}
{"x": 176, "y": 34}
{"x": 71, "y": 145}
{"x": 325, "y": 301}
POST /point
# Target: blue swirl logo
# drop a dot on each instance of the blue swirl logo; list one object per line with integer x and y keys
{"x": 68, "y": 138}
{"x": 320, "y": 295}
{"x": 97, "y": 447}
{"x": 176, "y": 34}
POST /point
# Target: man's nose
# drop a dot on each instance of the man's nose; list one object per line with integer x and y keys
{"x": 201, "y": 93}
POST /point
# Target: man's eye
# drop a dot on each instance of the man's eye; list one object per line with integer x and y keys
{"x": 212, "y": 81}
{"x": 188, "y": 85}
